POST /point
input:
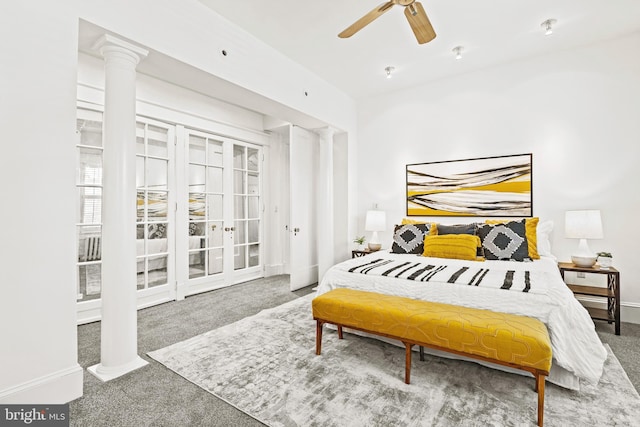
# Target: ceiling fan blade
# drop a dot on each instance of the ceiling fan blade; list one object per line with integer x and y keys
{"x": 366, "y": 19}
{"x": 419, "y": 22}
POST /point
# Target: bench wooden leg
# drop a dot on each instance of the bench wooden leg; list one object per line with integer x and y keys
{"x": 540, "y": 390}
{"x": 421, "y": 353}
{"x": 319, "y": 324}
{"x": 339, "y": 332}
{"x": 407, "y": 363}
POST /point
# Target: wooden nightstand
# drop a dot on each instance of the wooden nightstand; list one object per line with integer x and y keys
{"x": 356, "y": 253}
{"x": 611, "y": 292}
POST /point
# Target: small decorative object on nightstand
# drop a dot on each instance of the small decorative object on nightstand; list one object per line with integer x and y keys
{"x": 605, "y": 260}
{"x": 356, "y": 253}
{"x": 611, "y": 292}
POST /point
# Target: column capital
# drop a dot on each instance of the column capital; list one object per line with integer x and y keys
{"x": 326, "y": 132}
{"x": 108, "y": 44}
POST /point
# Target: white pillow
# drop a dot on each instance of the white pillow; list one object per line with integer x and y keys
{"x": 543, "y": 231}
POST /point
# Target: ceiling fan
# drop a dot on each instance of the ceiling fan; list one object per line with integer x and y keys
{"x": 414, "y": 12}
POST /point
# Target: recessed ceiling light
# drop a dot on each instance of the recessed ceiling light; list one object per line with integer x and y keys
{"x": 388, "y": 70}
{"x": 458, "y": 51}
{"x": 548, "y": 26}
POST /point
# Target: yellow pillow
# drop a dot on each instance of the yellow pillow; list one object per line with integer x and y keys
{"x": 412, "y": 221}
{"x": 455, "y": 246}
{"x": 531, "y": 227}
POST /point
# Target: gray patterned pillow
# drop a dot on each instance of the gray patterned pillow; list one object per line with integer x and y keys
{"x": 505, "y": 242}
{"x": 409, "y": 238}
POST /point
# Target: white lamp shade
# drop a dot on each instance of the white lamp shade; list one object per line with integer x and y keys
{"x": 375, "y": 221}
{"x": 583, "y": 225}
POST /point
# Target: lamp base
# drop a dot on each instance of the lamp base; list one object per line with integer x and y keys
{"x": 583, "y": 261}
{"x": 374, "y": 246}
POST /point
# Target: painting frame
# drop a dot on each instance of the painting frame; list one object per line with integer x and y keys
{"x": 498, "y": 186}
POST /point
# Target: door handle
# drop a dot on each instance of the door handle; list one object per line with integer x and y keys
{"x": 296, "y": 231}
{"x": 229, "y": 229}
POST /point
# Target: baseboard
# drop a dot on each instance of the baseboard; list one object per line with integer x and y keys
{"x": 629, "y": 311}
{"x": 56, "y": 388}
{"x": 273, "y": 270}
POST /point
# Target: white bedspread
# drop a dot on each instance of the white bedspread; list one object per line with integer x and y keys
{"x": 578, "y": 353}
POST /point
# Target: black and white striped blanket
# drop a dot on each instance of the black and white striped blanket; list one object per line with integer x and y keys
{"x": 423, "y": 271}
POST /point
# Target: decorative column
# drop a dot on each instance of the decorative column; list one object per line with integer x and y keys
{"x": 325, "y": 211}
{"x": 119, "y": 328}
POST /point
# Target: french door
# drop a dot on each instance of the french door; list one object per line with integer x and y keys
{"x": 222, "y": 184}
{"x": 198, "y": 214}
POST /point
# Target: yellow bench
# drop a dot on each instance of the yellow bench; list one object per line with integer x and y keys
{"x": 506, "y": 339}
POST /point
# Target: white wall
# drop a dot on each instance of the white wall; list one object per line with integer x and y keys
{"x": 39, "y": 43}
{"x": 38, "y": 356}
{"x": 578, "y": 113}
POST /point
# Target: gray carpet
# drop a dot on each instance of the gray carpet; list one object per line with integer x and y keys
{"x": 156, "y": 396}
{"x": 265, "y": 365}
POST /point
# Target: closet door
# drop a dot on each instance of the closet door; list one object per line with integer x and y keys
{"x": 224, "y": 216}
{"x": 303, "y": 156}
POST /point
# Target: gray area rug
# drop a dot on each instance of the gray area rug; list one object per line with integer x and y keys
{"x": 265, "y": 365}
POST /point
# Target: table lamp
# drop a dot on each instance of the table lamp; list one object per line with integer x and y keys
{"x": 583, "y": 225}
{"x": 375, "y": 221}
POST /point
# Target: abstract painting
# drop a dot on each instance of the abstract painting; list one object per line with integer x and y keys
{"x": 487, "y": 187}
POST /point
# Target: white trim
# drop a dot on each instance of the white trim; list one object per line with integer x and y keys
{"x": 629, "y": 311}
{"x": 92, "y": 97}
{"x": 55, "y": 388}
{"x": 105, "y": 374}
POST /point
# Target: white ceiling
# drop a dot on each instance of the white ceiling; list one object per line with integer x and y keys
{"x": 492, "y": 32}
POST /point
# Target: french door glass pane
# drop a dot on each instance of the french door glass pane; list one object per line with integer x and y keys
{"x": 89, "y": 243}
{"x": 196, "y": 206}
{"x": 196, "y": 178}
{"x": 197, "y": 149}
{"x": 240, "y": 258}
{"x": 140, "y": 161}
{"x": 253, "y": 184}
{"x": 254, "y": 255}
{"x": 252, "y": 203}
{"x": 215, "y": 153}
{"x": 216, "y": 260}
{"x": 157, "y": 267}
{"x": 216, "y": 234}
{"x": 252, "y": 159}
{"x": 239, "y": 211}
{"x": 214, "y": 202}
{"x": 254, "y": 231}
{"x": 238, "y": 182}
{"x": 157, "y": 173}
{"x": 157, "y": 142}
{"x": 90, "y": 281}
{"x": 239, "y": 161}
{"x": 90, "y": 205}
{"x": 140, "y": 138}
{"x": 141, "y": 203}
{"x": 240, "y": 235}
{"x": 196, "y": 229}
{"x": 196, "y": 264}
{"x": 90, "y": 132}
{"x": 157, "y": 205}
{"x": 214, "y": 183}
{"x": 90, "y": 170}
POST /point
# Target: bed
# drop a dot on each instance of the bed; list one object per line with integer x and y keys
{"x": 535, "y": 288}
